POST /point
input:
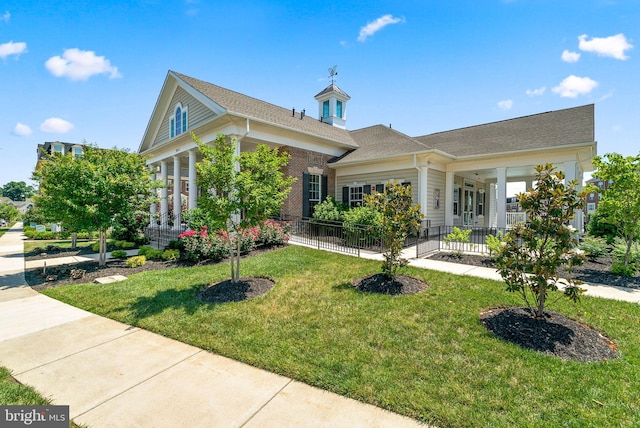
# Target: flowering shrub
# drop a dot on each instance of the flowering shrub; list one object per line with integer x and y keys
{"x": 201, "y": 245}
{"x": 273, "y": 233}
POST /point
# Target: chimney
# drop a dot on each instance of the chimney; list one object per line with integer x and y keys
{"x": 302, "y": 114}
{"x": 293, "y": 111}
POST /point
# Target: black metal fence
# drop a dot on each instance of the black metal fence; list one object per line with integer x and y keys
{"x": 442, "y": 238}
{"x": 162, "y": 232}
{"x": 335, "y": 236}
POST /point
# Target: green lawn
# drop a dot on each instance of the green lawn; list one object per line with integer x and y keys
{"x": 426, "y": 356}
{"x": 31, "y": 244}
{"x": 3, "y": 230}
{"x": 14, "y": 393}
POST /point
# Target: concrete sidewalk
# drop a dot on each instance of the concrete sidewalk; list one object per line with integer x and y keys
{"x": 115, "y": 375}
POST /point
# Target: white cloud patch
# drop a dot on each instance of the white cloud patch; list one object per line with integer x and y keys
{"x": 536, "y": 92}
{"x": 505, "y": 104}
{"x": 80, "y": 65}
{"x": 56, "y": 125}
{"x": 568, "y": 56}
{"x": 22, "y": 129}
{"x": 11, "y": 48}
{"x": 612, "y": 46}
{"x": 573, "y": 86}
{"x": 373, "y": 27}
{"x": 5, "y": 17}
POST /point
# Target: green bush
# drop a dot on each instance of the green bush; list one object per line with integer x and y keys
{"x": 622, "y": 270}
{"x": 593, "y": 246}
{"x": 458, "y": 240}
{"x": 494, "y": 243}
{"x": 170, "y": 255}
{"x": 202, "y": 246}
{"x": 598, "y": 227}
{"x": 124, "y": 245}
{"x": 274, "y": 233}
{"x": 362, "y": 223}
{"x": 119, "y": 254}
{"x": 154, "y": 254}
{"x": 144, "y": 250}
{"x": 95, "y": 247}
{"x": 174, "y": 245}
{"x": 330, "y": 210}
{"x": 135, "y": 261}
{"x": 620, "y": 250}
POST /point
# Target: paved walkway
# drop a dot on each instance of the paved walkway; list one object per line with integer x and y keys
{"x": 115, "y": 375}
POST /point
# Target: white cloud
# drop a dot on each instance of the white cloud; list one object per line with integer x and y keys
{"x": 568, "y": 56}
{"x": 373, "y": 27}
{"x": 5, "y": 17}
{"x": 11, "y": 48}
{"x": 56, "y": 125}
{"x": 536, "y": 92}
{"x": 22, "y": 129}
{"x": 573, "y": 86}
{"x": 613, "y": 46}
{"x": 80, "y": 65}
{"x": 505, "y": 104}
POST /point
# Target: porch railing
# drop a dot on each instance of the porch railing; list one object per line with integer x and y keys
{"x": 335, "y": 236}
{"x": 514, "y": 218}
{"x": 435, "y": 239}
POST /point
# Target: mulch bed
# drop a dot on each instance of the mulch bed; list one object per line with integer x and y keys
{"x": 400, "y": 284}
{"x": 243, "y": 289}
{"x": 592, "y": 272}
{"x": 554, "y": 334}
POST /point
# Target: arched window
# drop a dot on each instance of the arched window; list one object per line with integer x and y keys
{"x": 179, "y": 122}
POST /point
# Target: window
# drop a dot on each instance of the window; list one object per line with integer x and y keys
{"x": 77, "y": 152}
{"x": 325, "y": 109}
{"x": 600, "y": 184}
{"x": 355, "y": 196}
{"x": 591, "y": 207}
{"x": 592, "y": 196}
{"x": 456, "y": 201}
{"x": 56, "y": 148}
{"x": 339, "y": 109}
{"x": 314, "y": 191}
{"x": 178, "y": 123}
{"x": 480, "y": 199}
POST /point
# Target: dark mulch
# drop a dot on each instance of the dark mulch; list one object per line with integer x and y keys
{"x": 591, "y": 272}
{"x": 60, "y": 275}
{"x": 400, "y": 284}
{"x": 243, "y": 289}
{"x": 554, "y": 334}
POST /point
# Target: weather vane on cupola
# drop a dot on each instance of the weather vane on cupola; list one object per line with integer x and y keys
{"x": 333, "y": 73}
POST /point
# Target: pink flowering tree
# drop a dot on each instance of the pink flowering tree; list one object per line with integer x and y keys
{"x": 242, "y": 191}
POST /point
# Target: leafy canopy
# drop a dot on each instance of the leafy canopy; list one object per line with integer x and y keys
{"x": 17, "y": 190}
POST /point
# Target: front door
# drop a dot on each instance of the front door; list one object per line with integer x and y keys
{"x": 468, "y": 205}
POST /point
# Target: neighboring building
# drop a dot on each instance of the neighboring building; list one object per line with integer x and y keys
{"x": 458, "y": 177}
{"x": 593, "y": 198}
{"x": 50, "y": 147}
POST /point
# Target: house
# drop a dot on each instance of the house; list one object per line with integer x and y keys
{"x": 458, "y": 177}
{"x": 593, "y": 197}
{"x": 48, "y": 148}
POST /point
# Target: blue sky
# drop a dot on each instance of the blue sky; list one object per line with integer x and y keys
{"x": 91, "y": 71}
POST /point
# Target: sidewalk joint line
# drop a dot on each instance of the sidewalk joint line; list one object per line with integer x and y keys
{"x": 266, "y": 403}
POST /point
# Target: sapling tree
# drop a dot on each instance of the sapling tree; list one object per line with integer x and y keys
{"x": 532, "y": 252}
{"x": 399, "y": 217}
{"x": 620, "y": 202}
{"x": 242, "y": 191}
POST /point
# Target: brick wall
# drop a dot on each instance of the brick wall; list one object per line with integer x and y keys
{"x": 299, "y": 162}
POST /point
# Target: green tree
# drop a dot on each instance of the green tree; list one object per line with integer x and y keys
{"x": 94, "y": 191}
{"x": 243, "y": 191}
{"x": 620, "y": 202}
{"x": 532, "y": 252}
{"x": 17, "y": 190}
{"x": 8, "y": 212}
{"x": 399, "y": 217}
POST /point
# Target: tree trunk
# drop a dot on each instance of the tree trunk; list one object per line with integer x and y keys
{"x": 237, "y": 278}
{"x": 102, "y": 239}
{"x": 74, "y": 240}
{"x": 541, "y": 301}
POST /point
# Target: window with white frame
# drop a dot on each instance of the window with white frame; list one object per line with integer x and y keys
{"x": 315, "y": 190}
{"x": 178, "y": 123}
{"x": 77, "y": 152}
{"x": 591, "y": 207}
{"x": 480, "y": 203}
{"x": 57, "y": 148}
{"x": 355, "y": 196}
{"x": 456, "y": 202}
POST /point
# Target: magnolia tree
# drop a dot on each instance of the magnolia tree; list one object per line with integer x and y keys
{"x": 94, "y": 191}
{"x": 399, "y": 217}
{"x": 532, "y": 252}
{"x": 620, "y": 202}
{"x": 243, "y": 191}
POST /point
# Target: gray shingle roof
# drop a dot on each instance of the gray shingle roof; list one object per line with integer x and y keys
{"x": 380, "y": 141}
{"x": 245, "y": 106}
{"x": 332, "y": 88}
{"x": 538, "y": 131}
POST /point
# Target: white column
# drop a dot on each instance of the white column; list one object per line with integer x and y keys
{"x": 423, "y": 195}
{"x": 571, "y": 173}
{"x": 177, "y": 190}
{"x": 448, "y": 199}
{"x": 193, "y": 191}
{"x": 153, "y": 208}
{"x": 501, "y": 203}
{"x": 164, "y": 203}
{"x": 492, "y": 206}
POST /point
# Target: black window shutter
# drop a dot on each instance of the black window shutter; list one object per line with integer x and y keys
{"x": 477, "y": 202}
{"x": 366, "y": 189}
{"x": 345, "y": 194}
{"x": 323, "y": 188}
{"x": 380, "y": 188}
{"x": 306, "y": 209}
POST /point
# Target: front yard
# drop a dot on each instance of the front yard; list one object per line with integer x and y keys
{"x": 426, "y": 356}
